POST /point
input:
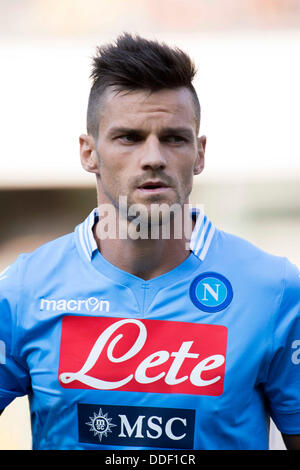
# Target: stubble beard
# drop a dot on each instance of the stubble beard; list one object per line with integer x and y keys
{"x": 155, "y": 214}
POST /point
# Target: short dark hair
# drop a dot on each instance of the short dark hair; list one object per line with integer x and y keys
{"x": 136, "y": 63}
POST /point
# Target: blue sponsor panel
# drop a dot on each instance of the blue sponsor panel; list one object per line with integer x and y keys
{"x": 136, "y": 426}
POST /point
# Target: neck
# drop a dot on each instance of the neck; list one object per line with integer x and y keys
{"x": 146, "y": 257}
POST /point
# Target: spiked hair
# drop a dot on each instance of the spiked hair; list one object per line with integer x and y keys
{"x": 135, "y": 63}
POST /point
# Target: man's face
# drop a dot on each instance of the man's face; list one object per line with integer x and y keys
{"x": 147, "y": 147}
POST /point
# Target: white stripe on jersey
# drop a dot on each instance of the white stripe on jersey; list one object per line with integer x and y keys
{"x": 82, "y": 242}
{"x": 207, "y": 243}
{"x": 195, "y": 234}
{"x": 91, "y": 221}
{"x": 197, "y": 243}
{"x": 3, "y": 272}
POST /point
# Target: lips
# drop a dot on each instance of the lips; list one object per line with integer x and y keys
{"x": 151, "y": 185}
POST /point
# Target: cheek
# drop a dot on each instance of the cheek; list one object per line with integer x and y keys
{"x": 109, "y": 179}
{"x": 185, "y": 178}
{"x": 186, "y": 173}
{"x": 109, "y": 170}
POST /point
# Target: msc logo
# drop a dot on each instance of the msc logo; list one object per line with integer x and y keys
{"x": 100, "y": 424}
{"x": 136, "y": 426}
{"x": 211, "y": 292}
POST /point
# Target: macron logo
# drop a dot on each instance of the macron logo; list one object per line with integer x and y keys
{"x": 92, "y": 304}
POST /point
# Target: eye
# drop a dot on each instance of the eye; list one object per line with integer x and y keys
{"x": 129, "y": 138}
{"x": 174, "y": 139}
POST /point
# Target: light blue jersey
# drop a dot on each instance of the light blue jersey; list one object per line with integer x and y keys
{"x": 197, "y": 358}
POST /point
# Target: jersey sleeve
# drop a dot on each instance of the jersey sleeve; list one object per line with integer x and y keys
{"x": 14, "y": 377}
{"x": 283, "y": 384}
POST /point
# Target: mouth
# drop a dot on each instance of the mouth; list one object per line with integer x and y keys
{"x": 153, "y": 187}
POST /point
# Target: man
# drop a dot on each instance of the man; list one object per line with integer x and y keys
{"x": 149, "y": 328}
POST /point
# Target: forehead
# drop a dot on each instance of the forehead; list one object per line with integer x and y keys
{"x": 142, "y": 108}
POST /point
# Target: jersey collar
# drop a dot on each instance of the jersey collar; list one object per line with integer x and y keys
{"x": 200, "y": 241}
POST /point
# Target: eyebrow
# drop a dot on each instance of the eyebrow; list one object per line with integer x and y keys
{"x": 185, "y": 131}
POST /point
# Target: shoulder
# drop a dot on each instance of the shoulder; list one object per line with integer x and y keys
{"x": 35, "y": 265}
{"x": 255, "y": 271}
{"x": 50, "y": 253}
{"x": 269, "y": 279}
{"x": 251, "y": 260}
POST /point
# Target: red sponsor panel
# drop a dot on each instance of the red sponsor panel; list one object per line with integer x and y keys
{"x": 135, "y": 355}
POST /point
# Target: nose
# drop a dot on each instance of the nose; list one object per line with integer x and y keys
{"x": 152, "y": 156}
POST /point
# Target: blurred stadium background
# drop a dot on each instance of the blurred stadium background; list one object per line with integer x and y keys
{"x": 247, "y": 54}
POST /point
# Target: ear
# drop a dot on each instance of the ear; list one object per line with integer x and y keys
{"x": 88, "y": 155}
{"x": 199, "y": 164}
